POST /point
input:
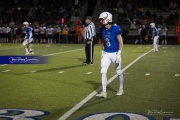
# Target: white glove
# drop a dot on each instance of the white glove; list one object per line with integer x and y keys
{"x": 118, "y": 57}
{"x": 102, "y": 53}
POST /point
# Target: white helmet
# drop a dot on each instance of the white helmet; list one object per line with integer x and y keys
{"x": 152, "y": 25}
{"x": 25, "y": 23}
{"x": 106, "y": 17}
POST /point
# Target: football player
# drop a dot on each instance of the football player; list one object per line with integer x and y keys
{"x": 28, "y": 38}
{"x": 155, "y": 36}
{"x": 111, "y": 51}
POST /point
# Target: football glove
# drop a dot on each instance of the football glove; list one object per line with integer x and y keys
{"x": 118, "y": 57}
{"x": 102, "y": 53}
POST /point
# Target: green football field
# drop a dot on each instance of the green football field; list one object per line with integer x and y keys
{"x": 64, "y": 89}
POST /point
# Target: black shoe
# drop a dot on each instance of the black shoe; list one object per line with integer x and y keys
{"x": 91, "y": 63}
{"x": 84, "y": 63}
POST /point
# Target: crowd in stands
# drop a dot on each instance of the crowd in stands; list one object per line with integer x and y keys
{"x": 133, "y": 11}
{"x": 49, "y": 13}
{"x": 38, "y": 13}
{"x": 130, "y": 14}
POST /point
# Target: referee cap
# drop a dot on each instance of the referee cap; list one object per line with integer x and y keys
{"x": 89, "y": 17}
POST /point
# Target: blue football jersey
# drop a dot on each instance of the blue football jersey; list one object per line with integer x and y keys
{"x": 154, "y": 30}
{"x": 28, "y": 32}
{"x": 110, "y": 38}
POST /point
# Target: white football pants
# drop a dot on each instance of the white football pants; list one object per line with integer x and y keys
{"x": 106, "y": 60}
{"x": 155, "y": 43}
{"x": 25, "y": 42}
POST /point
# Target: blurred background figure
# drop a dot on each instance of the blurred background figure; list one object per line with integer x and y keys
{"x": 78, "y": 31}
{"x": 49, "y": 34}
{"x": 57, "y": 31}
{"x": 144, "y": 34}
{"x": 65, "y": 30}
{"x": 42, "y": 30}
{"x": 82, "y": 34}
{"x": 36, "y": 34}
{"x": 125, "y": 32}
{"x": 139, "y": 35}
{"x": 164, "y": 32}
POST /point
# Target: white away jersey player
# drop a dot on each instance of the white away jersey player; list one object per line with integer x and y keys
{"x": 110, "y": 38}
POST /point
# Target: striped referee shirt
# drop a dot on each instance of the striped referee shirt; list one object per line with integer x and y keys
{"x": 89, "y": 31}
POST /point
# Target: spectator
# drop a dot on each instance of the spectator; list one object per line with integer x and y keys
{"x": 14, "y": 34}
{"x": 42, "y": 31}
{"x": 173, "y": 5}
{"x": 82, "y": 34}
{"x": 49, "y": 34}
{"x": 164, "y": 35}
{"x": 125, "y": 32}
{"x": 57, "y": 31}
{"x": 18, "y": 34}
{"x": 65, "y": 30}
{"x": 139, "y": 35}
{"x": 144, "y": 35}
{"x": 36, "y": 34}
{"x": 78, "y": 31}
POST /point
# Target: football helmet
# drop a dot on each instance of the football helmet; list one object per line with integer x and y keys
{"x": 25, "y": 23}
{"x": 105, "y": 18}
{"x": 152, "y": 25}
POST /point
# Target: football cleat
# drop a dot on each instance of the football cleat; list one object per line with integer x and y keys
{"x": 102, "y": 94}
{"x": 120, "y": 92}
{"x": 31, "y": 53}
{"x": 27, "y": 53}
{"x": 84, "y": 63}
{"x": 91, "y": 63}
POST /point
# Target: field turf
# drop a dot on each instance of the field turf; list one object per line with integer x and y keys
{"x": 151, "y": 83}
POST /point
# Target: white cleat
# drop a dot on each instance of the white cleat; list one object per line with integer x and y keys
{"x": 31, "y": 53}
{"x": 102, "y": 94}
{"x": 27, "y": 53}
{"x": 120, "y": 92}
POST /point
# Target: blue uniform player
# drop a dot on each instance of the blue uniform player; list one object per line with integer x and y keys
{"x": 28, "y": 38}
{"x": 111, "y": 51}
{"x": 155, "y": 36}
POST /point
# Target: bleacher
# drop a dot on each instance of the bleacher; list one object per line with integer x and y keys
{"x": 133, "y": 32}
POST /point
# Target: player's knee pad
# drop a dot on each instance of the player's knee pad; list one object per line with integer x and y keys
{"x": 24, "y": 43}
{"x": 118, "y": 71}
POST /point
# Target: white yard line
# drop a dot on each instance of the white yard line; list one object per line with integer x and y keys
{"x": 63, "y": 52}
{"x": 6, "y": 70}
{"x": 10, "y": 48}
{"x": 61, "y": 72}
{"x": 3, "y": 64}
{"x": 176, "y": 75}
{"x": 20, "y": 47}
{"x": 34, "y": 71}
{"x": 147, "y": 74}
{"x": 77, "y": 106}
{"x": 89, "y": 73}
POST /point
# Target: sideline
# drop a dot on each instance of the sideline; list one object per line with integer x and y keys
{"x": 77, "y": 106}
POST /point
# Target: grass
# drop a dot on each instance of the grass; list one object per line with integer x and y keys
{"x": 58, "y": 86}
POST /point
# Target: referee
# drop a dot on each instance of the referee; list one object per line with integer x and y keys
{"x": 90, "y": 38}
